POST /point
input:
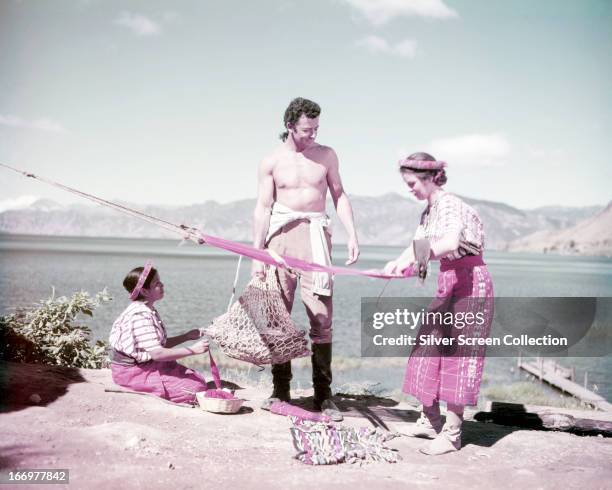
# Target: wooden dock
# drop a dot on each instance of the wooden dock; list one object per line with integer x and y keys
{"x": 557, "y": 377}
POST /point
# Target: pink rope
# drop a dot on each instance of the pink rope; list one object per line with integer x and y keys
{"x": 218, "y": 392}
{"x": 214, "y": 370}
{"x": 292, "y": 262}
{"x": 197, "y": 236}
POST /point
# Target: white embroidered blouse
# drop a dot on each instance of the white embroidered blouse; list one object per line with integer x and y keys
{"x": 450, "y": 214}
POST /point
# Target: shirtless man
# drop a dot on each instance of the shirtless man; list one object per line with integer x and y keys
{"x": 290, "y": 218}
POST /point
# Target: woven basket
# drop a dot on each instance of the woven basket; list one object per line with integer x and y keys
{"x": 218, "y": 405}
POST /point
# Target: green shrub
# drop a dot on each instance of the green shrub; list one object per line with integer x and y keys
{"x": 45, "y": 334}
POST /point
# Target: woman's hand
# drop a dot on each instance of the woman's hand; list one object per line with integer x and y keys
{"x": 200, "y": 347}
{"x": 397, "y": 267}
{"x": 390, "y": 268}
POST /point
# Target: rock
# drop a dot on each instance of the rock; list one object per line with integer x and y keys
{"x": 170, "y": 466}
{"x": 35, "y": 398}
{"x": 132, "y": 442}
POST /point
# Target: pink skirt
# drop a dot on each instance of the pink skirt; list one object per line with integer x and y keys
{"x": 168, "y": 380}
{"x": 453, "y": 374}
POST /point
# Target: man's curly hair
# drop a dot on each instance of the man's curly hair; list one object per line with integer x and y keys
{"x": 294, "y": 111}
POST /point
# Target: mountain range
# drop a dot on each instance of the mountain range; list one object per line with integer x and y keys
{"x": 389, "y": 219}
{"x": 591, "y": 236}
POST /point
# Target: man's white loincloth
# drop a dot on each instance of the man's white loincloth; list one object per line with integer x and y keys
{"x": 282, "y": 215}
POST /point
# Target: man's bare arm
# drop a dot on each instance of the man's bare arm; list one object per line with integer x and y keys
{"x": 263, "y": 208}
{"x": 342, "y": 205}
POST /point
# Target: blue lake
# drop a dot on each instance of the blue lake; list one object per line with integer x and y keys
{"x": 198, "y": 283}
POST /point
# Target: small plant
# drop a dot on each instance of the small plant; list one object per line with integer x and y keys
{"x": 46, "y": 334}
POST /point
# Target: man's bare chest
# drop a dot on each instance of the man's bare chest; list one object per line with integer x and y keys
{"x": 300, "y": 172}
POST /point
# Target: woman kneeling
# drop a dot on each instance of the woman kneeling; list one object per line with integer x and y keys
{"x": 143, "y": 357}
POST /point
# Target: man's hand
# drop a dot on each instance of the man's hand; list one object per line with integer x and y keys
{"x": 258, "y": 270}
{"x": 353, "y": 251}
{"x": 200, "y": 347}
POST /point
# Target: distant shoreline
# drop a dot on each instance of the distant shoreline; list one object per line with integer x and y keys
{"x": 6, "y": 236}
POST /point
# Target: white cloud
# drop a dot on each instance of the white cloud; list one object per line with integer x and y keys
{"x": 380, "y": 12}
{"x": 406, "y": 48}
{"x": 21, "y": 202}
{"x": 138, "y": 24}
{"x": 472, "y": 149}
{"x": 376, "y": 44}
{"x": 42, "y": 124}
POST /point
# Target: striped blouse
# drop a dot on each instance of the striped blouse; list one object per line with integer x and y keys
{"x": 449, "y": 214}
{"x": 138, "y": 330}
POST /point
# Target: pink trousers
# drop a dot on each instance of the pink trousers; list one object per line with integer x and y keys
{"x": 168, "y": 380}
{"x": 453, "y": 374}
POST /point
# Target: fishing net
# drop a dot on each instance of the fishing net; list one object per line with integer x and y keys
{"x": 258, "y": 328}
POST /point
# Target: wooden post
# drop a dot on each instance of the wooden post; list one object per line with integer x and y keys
{"x": 586, "y": 379}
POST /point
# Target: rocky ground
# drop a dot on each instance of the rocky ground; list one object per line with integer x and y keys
{"x": 122, "y": 440}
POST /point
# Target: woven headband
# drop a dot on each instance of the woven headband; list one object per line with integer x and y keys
{"x": 141, "y": 280}
{"x": 421, "y": 164}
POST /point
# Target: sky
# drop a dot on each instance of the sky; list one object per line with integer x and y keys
{"x": 177, "y": 102}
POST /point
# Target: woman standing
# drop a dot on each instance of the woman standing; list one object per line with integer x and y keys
{"x": 450, "y": 374}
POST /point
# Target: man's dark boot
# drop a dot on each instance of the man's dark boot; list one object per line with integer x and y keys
{"x": 281, "y": 378}
{"x": 322, "y": 379}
